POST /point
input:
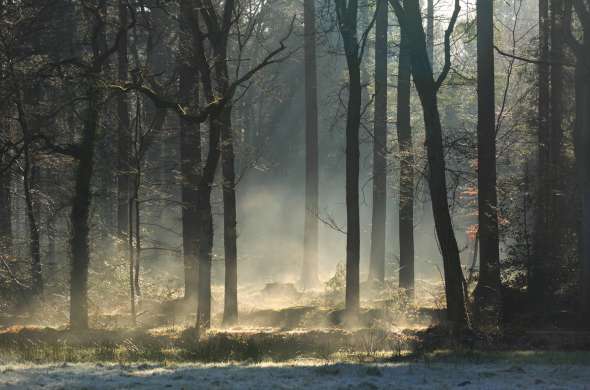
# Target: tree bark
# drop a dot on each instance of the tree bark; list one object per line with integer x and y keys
{"x": 230, "y": 236}
{"x": 124, "y": 138}
{"x": 377, "y": 264}
{"x": 347, "y": 12}
{"x": 79, "y": 218}
{"x": 309, "y": 273}
{"x": 190, "y": 154}
{"x": 406, "y": 178}
{"x": 488, "y": 291}
{"x": 536, "y": 274}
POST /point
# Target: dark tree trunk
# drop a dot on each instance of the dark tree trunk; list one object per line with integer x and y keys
{"x": 406, "y": 178}
{"x": 30, "y": 173}
{"x": 555, "y": 226}
{"x": 537, "y": 278}
{"x": 123, "y": 130}
{"x": 309, "y": 273}
{"x": 427, "y": 89}
{"x": 347, "y": 12}
{"x": 190, "y": 155}
{"x": 79, "y": 219}
{"x": 488, "y": 291}
{"x": 377, "y": 265}
{"x": 230, "y": 308}
{"x": 205, "y": 233}
{"x": 5, "y": 207}
{"x": 582, "y": 146}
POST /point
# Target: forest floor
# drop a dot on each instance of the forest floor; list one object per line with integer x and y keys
{"x": 308, "y": 374}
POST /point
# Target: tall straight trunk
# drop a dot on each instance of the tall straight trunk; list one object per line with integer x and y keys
{"x": 582, "y": 146}
{"x": 430, "y": 30}
{"x": 32, "y": 220}
{"x": 5, "y": 204}
{"x": 230, "y": 236}
{"x": 377, "y": 265}
{"x": 205, "y": 223}
{"x": 427, "y": 90}
{"x": 309, "y": 272}
{"x": 537, "y": 278}
{"x": 557, "y": 9}
{"x": 5, "y": 213}
{"x": 79, "y": 218}
{"x": 488, "y": 291}
{"x": 406, "y": 177}
{"x": 190, "y": 153}
{"x": 347, "y": 12}
{"x": 123, "y": 128}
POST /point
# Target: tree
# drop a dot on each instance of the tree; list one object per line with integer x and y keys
{"x": 488, "y": 291}
{"x": 347, "y": 14}
{"x": 377, "y": 266}
{"x": 309, "y": 275}
{"x": 123, "y": 127}
{"x": 411, "y": 20}
{"x": 190, "y": 150}
{"x": 582, "y": 144}
{"x": 406, "y": 177}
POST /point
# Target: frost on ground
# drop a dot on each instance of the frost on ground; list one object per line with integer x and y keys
{"x": 295, "y": 375}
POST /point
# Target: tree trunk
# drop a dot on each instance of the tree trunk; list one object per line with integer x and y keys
{"x": 124, "y": 139}
{"x": 309, "y": 273}
{"x": 488, "y": 291}
{"x": 406, "y": 178}
{"x": 377, "y": 265}
{"x": 30, "y": 171}
{"x": 230, "y": 236}
{"x": 205, "y": 233}
{"x": 536, "y": 274}
{"x": 427, "y": 91}
{"x": 582, "y": 146}
{"x": 348, "y": 21}
{"x": 79, "y": 218}
{"x": 190, "y": 153}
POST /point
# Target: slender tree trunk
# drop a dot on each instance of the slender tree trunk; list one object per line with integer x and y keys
{"x": 190, "y": 153}
{"x": 427, "y": 91}
{"x": 406, "y": 178}
{"x": 205, "y": 234}
{"x": 131, "y": 256}
{"x": 5, "y": 213}
{"x": 309, "y": 274}
{"x": 230, "y": 236}
{"x": 582, "y": 146}
{"x": 488, "y": 292}
{"x": 80, "y": 214}
{"x": 124, "y": 139}
{"x": 377, "y": 265}
{"x": 34, "y": 233}
{"x": 557, "y": 8}
{"x": 537, "y": 279}
{"x": 347, "y": 12}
